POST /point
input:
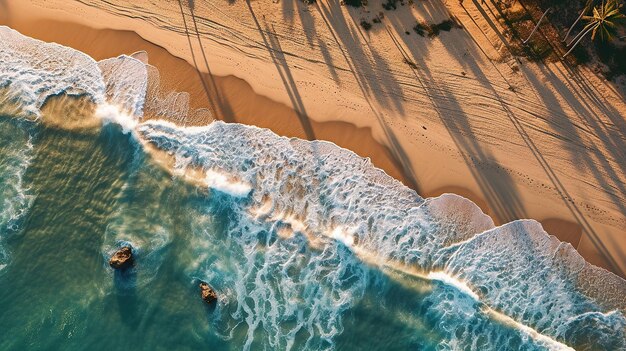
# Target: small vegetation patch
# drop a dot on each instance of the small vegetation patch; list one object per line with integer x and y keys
{"x": 539, "y": 46}
{"x": 421, "y": 28}
{"x": 354, "y": 3}
{"x": 517, "y": 14}
{"x": 446, "y": 25}
{"x": 366, "y": 25}
{"x": 432, "y": 30}
{"x": 539, "y": 50}
{"x": 391, "y": 5}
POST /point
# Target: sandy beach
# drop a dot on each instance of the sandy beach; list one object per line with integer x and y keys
{"x": 454, "y": 113}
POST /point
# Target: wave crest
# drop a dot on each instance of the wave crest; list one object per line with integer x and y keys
{"x": 309, "y": 189}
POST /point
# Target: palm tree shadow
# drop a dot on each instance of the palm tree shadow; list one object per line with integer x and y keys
{"x": 272, "y": 43}
{"x": 220, "y": 106}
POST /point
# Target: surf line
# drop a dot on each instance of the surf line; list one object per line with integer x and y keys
{"x": 374, "y": 260}
{"x": 345, "y": 238}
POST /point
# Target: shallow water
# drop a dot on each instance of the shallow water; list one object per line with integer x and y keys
{"x": 94, "y": 190}
{"x": 57, "y": 292}
{"x": 307, "y": 245}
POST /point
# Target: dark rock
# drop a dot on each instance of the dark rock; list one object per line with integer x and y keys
{"x": 122, "y": 258}
{"x": 208, "y": 294}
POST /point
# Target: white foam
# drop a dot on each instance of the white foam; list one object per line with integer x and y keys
{"x": 327, "y": 192}
{"x": 32, "y": 71}
{"x": 126, "y": 82}
{"x": 223, "y": 183}
{"x": 16, "y": 148}
{"x": 113, "y": 114}
{"x": 543, "y": 340}
{"x": 455, "y": 282}
{"x": 343, "y": 235}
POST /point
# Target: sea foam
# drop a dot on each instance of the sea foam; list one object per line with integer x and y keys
{"x": 113, "y": 114}
{"x": 221, "y": 182}
{"x": 516, "y": 269}
{"x": 16, "y": 148}
{"x": 32, "y": 71}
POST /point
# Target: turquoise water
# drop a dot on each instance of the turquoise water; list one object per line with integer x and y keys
{"x": 93, "y": 190}
{"x": 308, "y": 246}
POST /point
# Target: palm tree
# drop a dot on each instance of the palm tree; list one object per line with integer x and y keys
{"x": 588, "y": 5}
{"x": 603, "y": 21}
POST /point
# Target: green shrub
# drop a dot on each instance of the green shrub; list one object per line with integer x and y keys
{"x": 446, "y": 25}
{"x": 421, "y": 28}
{"x": 390, "y": 5}
{"x": 354, "y": 3}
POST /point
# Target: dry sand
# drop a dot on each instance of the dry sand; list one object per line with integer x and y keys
{"x": 455, "y": 113}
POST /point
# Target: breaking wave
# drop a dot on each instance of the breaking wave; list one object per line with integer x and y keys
{"x": 309, "y": 225}
{"x": 314, "y": 195}
{"x": 16, "y": 147}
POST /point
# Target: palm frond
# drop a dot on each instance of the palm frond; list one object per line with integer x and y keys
{"x": 604, "y": 19}
{"x": 602, "y": 22}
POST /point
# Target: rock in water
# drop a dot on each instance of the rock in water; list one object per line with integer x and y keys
{"x": 208, "y": 294}
{"x": 122, "y": 258}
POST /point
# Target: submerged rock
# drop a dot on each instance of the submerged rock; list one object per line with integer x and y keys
{"x": 208, "y": 294}
{"x": 122, "y": 258}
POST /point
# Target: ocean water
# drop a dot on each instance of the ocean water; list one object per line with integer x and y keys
{"x": 308, "y": 246}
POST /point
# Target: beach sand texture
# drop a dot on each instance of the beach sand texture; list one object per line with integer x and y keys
{"x": 454, "y": 113}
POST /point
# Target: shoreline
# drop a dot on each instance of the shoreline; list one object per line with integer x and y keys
{"x": 237, "y": 101}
